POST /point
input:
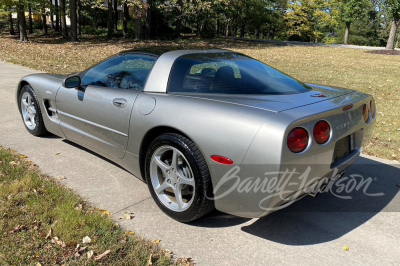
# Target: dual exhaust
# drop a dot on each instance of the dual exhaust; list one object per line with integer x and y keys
{"x": 315, "y": 193}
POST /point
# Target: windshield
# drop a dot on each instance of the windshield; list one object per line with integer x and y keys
{"x": 229, "y": 73}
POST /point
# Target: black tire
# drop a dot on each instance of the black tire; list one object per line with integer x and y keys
{"x": 202, "y": 203}
{"x": 39, "y": 128}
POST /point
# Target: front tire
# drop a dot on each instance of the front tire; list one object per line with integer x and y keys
{"x": 30, "y": 112}
{"x": 178, "y": 178}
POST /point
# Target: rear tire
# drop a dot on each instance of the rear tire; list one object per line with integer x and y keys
{"x": 30, "y": 112}
{"x": 178, "y": 178}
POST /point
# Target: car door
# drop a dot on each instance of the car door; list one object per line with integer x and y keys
{"x": 97, "y": 113}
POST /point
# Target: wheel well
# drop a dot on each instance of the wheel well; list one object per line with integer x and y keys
{"x": 148, "y": 139}
{"x": 20, "y": 86}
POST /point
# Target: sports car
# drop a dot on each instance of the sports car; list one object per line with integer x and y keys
{"x": 204, "y": 129}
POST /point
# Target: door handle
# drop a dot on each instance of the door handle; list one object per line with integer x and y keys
{"x": 119, "y": 102}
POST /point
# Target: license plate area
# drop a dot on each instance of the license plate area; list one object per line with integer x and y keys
{"x": 343, "y": 147}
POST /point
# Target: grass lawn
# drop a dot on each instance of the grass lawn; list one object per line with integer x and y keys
{"x": 43, "y": 223}
{"x": 375, "y": 74}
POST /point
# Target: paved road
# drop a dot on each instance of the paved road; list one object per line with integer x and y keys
{"x": 312, "y": 231}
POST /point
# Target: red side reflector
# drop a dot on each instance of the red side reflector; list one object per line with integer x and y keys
{"x": 347, "y": 107}
{"x": 221, "y": 160}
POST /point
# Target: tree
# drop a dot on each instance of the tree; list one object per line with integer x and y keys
{"x": 44, "y": 19}
{"x": 57, "y": 11}
{"x": 125, "y": 20}
{"x": 115, "y": 15}
{"x": 349, "y": 11}
{"x": 110, "y": 19}
{"x": 23, "y": 37}
{"x": 64, "y": 29}
{"x": 30, "y": 18}
{"x": 11, "y": 23}
{"x": 74, "y": 20}
{"x": 308, "y": 20}
{"x": 394, "y": 11}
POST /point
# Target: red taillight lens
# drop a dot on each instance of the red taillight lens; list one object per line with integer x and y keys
{"x": 372, "y": 108}
{"x": 322, "y": 132}
{"x": 297, "y": 140}
{"x": 221, "y": 160}
{"x": 365, "y": 113}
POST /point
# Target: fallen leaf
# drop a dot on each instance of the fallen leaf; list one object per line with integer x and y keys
{"x": 23, "y": 156}
{"x": 72, "y": 244}
{"x": 105, "y": 212}
{"x": 101, "y": 256}
{"x": 86, "y": 240}
{"x": 168, "y": 253}
{"x": 394, "y": 155}
{"x": 59, "y": 178}
{"x": 57, "y": 153}
{"x": 131, "y": 233}
{"x": 346, "y": 248}
{"x": 128, "y": 216}
{"x": 49, "y": 234}
{"x": 157, "y": 241}
{"x": 14, "y": 163}
{"x": 150, "y": 262}
{"x": 90, "y": 254}
{"x": 79, "y": 207}
{"x": 18, "y": 229}
{"x": 58, "y": 242}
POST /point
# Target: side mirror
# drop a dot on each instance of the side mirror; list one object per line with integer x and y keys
{"x": 72, "y": 82}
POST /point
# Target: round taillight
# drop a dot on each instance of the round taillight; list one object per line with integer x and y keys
{"x": 372, "y": 108}
{"x": 366, "y": 113}
{"x": 322, "y": 132}
{"x": 297, "y": 140}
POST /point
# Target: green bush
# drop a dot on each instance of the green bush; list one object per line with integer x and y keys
{"x": 93, "y": 31}
{"x": 330, "y": 40}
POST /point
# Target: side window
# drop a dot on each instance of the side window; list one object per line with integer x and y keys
{"x": 121, "y": 72}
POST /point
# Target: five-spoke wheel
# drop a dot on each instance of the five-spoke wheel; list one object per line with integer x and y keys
{"x": 178, "y": 177}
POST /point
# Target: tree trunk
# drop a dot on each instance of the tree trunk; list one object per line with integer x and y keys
{"x": 393, "y": 33}
{"x": 257, "y": 34}
{"x": 148, "y": 19}
{"x": 79, "y": 13}
{"x": 347, "y": 33}
{"x": 138, "y": 24}
{"x": 44, "y": 20}
{"x": 115, "y": 15}
{"x": 110, "y": 22}
{"x": 74, "y": 20}
{"x": 64, "y": 29}
{"x": 30, "y": 19}
{"x": 21, "y": 22}
{"x": 242, "y": 30}
{"x": 51, "y": 19}
{"x": 125, "y": 20}
{"x": 179, "y": 20}
{"x": 11, "y": 24}
{"x": 57, "y": 11}
{"x": 227, "y": 30}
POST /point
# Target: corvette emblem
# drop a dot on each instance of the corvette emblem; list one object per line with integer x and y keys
{"x": 319, "y": 95}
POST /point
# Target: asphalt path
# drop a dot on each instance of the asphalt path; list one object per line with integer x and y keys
{"x": 311, "y": 231}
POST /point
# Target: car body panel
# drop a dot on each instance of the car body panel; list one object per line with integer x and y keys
{"x": 90, "y": 116}
{"x": 251, "y": 130}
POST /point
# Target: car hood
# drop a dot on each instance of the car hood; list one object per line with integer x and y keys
{"x": 279, "y": 103}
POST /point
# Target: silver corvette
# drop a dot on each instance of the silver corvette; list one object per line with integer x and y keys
{"x": 204, "y": 128}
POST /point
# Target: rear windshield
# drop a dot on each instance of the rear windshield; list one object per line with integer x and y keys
{"x": 229, "y": 73}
